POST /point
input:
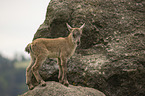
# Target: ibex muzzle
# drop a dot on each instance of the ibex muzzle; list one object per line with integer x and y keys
{"x": 43, "y": 48}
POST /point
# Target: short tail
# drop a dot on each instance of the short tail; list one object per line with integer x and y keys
{"x": 28, "y": 48}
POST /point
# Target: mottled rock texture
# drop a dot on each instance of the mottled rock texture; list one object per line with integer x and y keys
{"x": 112, "y": 51}
{"x": 57, "y": 89}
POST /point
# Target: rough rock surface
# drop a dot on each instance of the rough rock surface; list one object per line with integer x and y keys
{"x": 57, "y": 89}
{"x": 112, "y": 51}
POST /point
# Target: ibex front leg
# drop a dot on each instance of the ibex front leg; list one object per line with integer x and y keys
{"x": 60, "y": 71}
{"x": 64, "y": 71}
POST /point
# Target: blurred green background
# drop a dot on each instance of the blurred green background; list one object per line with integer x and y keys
{"x": 12, "y": 75}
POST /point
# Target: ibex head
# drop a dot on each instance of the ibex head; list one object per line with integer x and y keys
{"x": 76, "y": 33}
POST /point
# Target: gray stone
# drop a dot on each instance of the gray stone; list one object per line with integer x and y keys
{"x": 57, "y": 89}
{"x": 111, "y": 55}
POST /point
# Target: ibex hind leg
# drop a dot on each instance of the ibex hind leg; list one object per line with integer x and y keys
{"x": 35, "y": 69}
{"x": 29, "y": 74}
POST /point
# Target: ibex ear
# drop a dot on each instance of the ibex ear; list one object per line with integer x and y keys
{"x": 69, "y": 27}
{"x": 82, "y": 26}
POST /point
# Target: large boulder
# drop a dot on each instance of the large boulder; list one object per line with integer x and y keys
{"x": 57, "y": 89}
{"x": 112, "y": 51}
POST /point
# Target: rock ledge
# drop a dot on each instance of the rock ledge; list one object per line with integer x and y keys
{"x": 56, "y": 89}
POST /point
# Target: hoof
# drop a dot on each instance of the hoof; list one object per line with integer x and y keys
{"x": 43, "y": 84}
{"x": 60, "y": 81}
{"x": 30, "y": 87}
{"x": 66, "y": 83}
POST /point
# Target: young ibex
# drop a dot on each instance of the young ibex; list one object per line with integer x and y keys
{"x": 61, "y": 48}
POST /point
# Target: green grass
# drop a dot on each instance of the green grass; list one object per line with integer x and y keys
{"x": 22, "y": 64}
